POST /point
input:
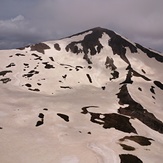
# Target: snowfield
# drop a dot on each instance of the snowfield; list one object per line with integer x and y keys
{"x": 92, "y": 97}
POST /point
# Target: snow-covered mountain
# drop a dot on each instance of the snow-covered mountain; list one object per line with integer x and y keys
{"x": 92, "y": 97}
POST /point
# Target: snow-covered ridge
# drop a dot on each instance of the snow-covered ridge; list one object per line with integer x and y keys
{"x": 99, "y": 82}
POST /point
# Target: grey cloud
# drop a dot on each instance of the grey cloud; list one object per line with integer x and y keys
{"x": 17, "y": 32}
{"x": 140, "y": 20}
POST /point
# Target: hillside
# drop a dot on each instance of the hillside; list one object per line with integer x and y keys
{"x": 91, "y": 97}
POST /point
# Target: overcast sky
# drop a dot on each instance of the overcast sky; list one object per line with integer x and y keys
{"x": 30, "y": 21}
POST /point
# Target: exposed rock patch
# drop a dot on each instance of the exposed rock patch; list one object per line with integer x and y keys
{"x": 28, "y": 85}
{"x": 40, "y": 122}
{"x": 152, "y": 89}
{"x": 158, "y": 84}
{"x": 87, "y": 59}
{"x": 35, "y": 89}
{"x": 128, "y": 158}
{"x": 150, "y": 53}
{"x": 109, "y": 63}
{"x": 64, "y": 76}
{"x": 26, "y": 65}
{"x": 10, "y": 65}
{"x": 37, "y": 57}
{"x": 47, "y": 65}
{"x": 5, "y": 80}
{"x": 41, "y": 47}
{"x": 51, "y": 58}
{"x": 136, "y": 110}
{"x": 127, "y": 147}
{"x": 57, "y": 47}
{"x": 89, "y": 78}
{"x": 3, "y": 73}
{"x": 31, "y": 73}
{"x": 63, "y": 116}
{"x": 140, "y": 89}
{"x": 19, "y": 54}
{"x": 115, "y": 75}
{"x": 143, "y": 141}
{"x": 66, "y": 87}
{"x": 113, "y": 120}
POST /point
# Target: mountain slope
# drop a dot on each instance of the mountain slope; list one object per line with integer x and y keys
{"x": 91, "y": 97}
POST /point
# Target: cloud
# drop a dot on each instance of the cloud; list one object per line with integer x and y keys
{"x": 16, "y": 32}
{"x": 140, "y": 21}
{"x": 12, "y": 25}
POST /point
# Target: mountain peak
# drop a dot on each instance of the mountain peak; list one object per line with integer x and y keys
{"x": 68, "y": 91}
